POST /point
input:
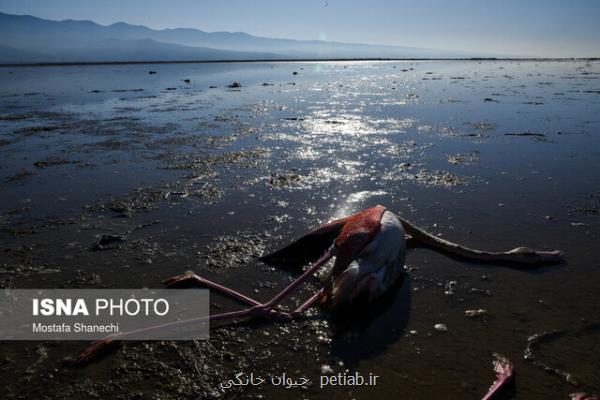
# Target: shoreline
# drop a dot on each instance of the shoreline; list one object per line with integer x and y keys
{"x": 291, "y": 60}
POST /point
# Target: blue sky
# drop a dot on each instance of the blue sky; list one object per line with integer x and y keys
{"x": 550, "y": 28}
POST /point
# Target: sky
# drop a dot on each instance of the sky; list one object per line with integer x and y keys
{"x": 539, "y": 28}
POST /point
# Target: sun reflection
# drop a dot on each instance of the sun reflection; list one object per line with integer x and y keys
{"x": 355, "y": 202}
{"x": 342, "y": 125}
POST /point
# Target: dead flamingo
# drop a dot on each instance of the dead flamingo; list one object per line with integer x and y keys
{"x": 369, "y": 249}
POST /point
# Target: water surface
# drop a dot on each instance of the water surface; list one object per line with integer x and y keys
{"x": 196, "y": 175}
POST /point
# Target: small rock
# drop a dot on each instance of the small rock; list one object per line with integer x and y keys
{"x": 109, "y": 242}
{"x": 475, "y": 313}
{"x": 177, "y": 194}
{"x": 450, "y": 287}
{"x": 326, "y": 370}
{"x": 180, "y": 194}
{"x": 40, "y": 164}
{"x": 486, "y": 292}
{"x": 235, "y": 85}
{"x": 440, "y": 328}
{"x": 187, "y": 81}
{"x": 151, "y": 72}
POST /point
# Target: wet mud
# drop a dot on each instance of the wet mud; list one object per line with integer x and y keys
{"x": 118, "y": 177}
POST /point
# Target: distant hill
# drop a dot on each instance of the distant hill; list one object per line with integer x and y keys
{"x": 117, "y": 50}
{"x": 10, "y": 55}
{"x": 25, "y": 39}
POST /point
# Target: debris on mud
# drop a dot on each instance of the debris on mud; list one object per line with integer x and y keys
{"x": 568, "y": 354}
{"x": 13, "y": 117}
{"x": 438, "y": 178}
{"x": 533, "y": 342}
{"x": 17, "y": 210}
{"x": 145, "y": 250}
{"x": 109, "y": 242}
{"x": 450, "y": 288}
{"x": 209, "y": 193}
{"x": 43, "y": 128}
{"x": 25, "y": 269}
{"x": 142, "y": 199}
{"x": 127, "y": 90}
{"x": 83, "y": 280}
{"x": 591, "y": 205}
{"x": 50, "y": 161}
{"x": 206, "y": 163}
{"x": 485, "y": 292}
{"x": 481, "y": 126}
{"x": 541, "y": 135}
{"x": 157, "y": 370}
{"x": 20, "y": 175}
{"x": 464, "y": 159}
{"x": 280, "y": 180}
{"x": 476, "y": 313}
{"x": 232, "y": 251}
{"x": 538, "y": 137}
{"x": 202, "y": 167}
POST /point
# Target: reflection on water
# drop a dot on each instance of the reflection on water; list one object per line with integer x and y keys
{"x": 354, "y": 202}
{"x": 200, "y": 176}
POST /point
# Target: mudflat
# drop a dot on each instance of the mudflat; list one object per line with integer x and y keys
{"x": 114, "y": 177}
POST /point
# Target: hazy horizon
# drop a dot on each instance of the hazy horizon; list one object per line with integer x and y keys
{"x": 510, "y": 28}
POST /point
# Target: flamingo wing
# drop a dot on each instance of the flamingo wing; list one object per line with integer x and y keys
{"x": 308, "y": 248}
{"x": 350, "y": 235}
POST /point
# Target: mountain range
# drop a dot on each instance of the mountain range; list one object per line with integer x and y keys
{"x": 25, "y": 39}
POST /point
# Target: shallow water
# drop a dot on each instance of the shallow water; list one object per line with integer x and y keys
{"x": 492, "y": 154}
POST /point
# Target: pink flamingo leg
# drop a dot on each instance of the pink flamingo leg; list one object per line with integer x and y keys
{"x": 191, "y": 278}
{"x": 292, "y": 287}
{"x": 257, "y": 309}
{"x": 307, "y": 304}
